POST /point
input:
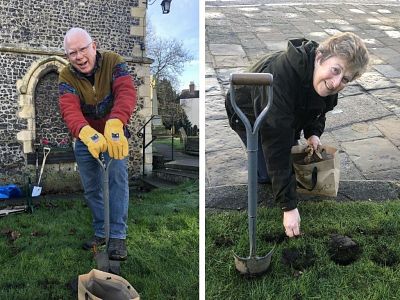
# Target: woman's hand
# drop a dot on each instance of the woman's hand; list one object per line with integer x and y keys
{"x": 291, "y": 222}
{"x": 314, "y": 141}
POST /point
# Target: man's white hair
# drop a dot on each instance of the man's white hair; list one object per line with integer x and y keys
{"x": 75, "y": 31}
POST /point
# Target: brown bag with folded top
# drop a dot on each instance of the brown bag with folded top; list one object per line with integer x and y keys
{"x": 98, "y": 285}
{"x": 316, "y": 174}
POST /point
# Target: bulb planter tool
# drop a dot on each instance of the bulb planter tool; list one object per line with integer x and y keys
{"x": 103, "y": 262}
{"x": 252, "y": 265}
{"x": 37, "y": 189}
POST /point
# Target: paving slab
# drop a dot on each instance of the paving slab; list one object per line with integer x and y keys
{"x": 389, "y": 41}
{"x": 231, "y": 61}
{"x": 263, "y": 29}
{"x": 215, "y": 108}
{"x": 208, "y": 57}
{"x": 226, "y": 49}
{"x": 223, "y": 74}
{"x": 218, "y": 30}
{"x": 351, "y": 90}
{"x": 223, "y": 138}
{"x": 392, "y": 174}
{"x": 373, "y": 80}
{"x": 212, "y": 86}
{"x": 356, "y": 131}
{"x": 327, "y": 138}
{"x": 275, "y": 45}
{"x": 390, "y": 98}
{"x": 387, "y": 71}
{"x": 209, "y": 71}
{"x": 218, "y": 22}
{"x": 251, "y": 42}
{"x": 373, "y": 154}
{"x": 373, "y": 42}
{"x": 254, "y": 54}
{"x": 224, "y": 38}
{"x": 213, "y": 15}
{"x": 390, "y": 127}
{"x": 387, "y": 54}
{"x": 348, "y": 170}
{"x": 228, "y": 167}
{"x": 355, "y": 109}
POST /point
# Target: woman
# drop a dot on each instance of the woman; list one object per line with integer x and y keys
{"x": 307, "y": 80}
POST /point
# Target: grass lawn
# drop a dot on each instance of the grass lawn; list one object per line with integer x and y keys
{"x": 168, "y": 141}
{"x": 375, "y": 274}
{"x": 40, "y": 253}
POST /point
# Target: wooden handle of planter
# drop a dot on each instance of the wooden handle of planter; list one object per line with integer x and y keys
{"x": 251, "y": 79}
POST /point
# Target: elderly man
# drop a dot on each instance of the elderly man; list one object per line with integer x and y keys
{"x": 97, "y": 98}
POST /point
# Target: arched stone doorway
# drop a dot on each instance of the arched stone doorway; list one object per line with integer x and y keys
{"x": 38, "y": 101}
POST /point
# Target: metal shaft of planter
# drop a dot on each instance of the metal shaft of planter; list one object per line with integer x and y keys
{"x": 252, "y": 265}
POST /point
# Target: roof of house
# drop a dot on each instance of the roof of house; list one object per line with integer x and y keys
{"x": 187, "y": 95}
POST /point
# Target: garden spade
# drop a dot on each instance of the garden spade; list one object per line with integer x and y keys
{"x": 37, "y": 189}
{"x": 252, "y": 265}
{"x": 101, "y": 257}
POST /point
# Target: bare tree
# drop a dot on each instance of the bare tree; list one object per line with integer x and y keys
{"x": 169, "y": 57}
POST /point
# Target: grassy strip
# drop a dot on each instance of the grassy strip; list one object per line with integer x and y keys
{"x": 41, "y": 253}
{"x": 178, "y": 145}
{"x": 374, "y": 226}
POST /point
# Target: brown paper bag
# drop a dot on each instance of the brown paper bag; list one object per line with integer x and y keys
{"x": 326, "y": 173}
{"x": 98, "y": 285}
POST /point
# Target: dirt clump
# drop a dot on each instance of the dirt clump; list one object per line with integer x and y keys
{"x": 343, "y": 250}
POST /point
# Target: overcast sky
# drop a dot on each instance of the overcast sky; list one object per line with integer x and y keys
{"x": 182, "y": 23}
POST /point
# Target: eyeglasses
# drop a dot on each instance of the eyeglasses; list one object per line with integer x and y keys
{"x": 74, "y": 53}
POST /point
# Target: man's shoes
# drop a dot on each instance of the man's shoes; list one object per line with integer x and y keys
{"x": 117, "y": 249}
{"x": 94, "y": 242}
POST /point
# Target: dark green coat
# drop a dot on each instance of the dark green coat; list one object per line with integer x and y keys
{"x": 296, "y": 107}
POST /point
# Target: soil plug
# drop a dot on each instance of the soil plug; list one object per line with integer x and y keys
{"x": 343, "y": 250}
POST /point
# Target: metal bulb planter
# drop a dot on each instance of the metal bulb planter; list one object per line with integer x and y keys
{"x": 103, "y": 262}
{"x": 252, "y": 265}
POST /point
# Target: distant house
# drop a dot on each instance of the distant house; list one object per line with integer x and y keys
{"x": 189, "y": 100}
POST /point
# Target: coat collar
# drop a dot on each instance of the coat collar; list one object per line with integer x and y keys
{"x": 301, "y": 54}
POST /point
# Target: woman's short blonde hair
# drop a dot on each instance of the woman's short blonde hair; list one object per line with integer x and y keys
{"x": 349, "y": 47}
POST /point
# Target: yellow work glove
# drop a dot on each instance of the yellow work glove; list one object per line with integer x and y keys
{"x": 117, "y": 143}
{"x": 94, "y": 140}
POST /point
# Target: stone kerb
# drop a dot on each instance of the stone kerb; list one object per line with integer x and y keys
{"x": 26, "y": 89}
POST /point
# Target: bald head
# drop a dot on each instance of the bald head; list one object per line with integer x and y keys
{"x": 74, "y": 33}
{"x": 80, "y": 50}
